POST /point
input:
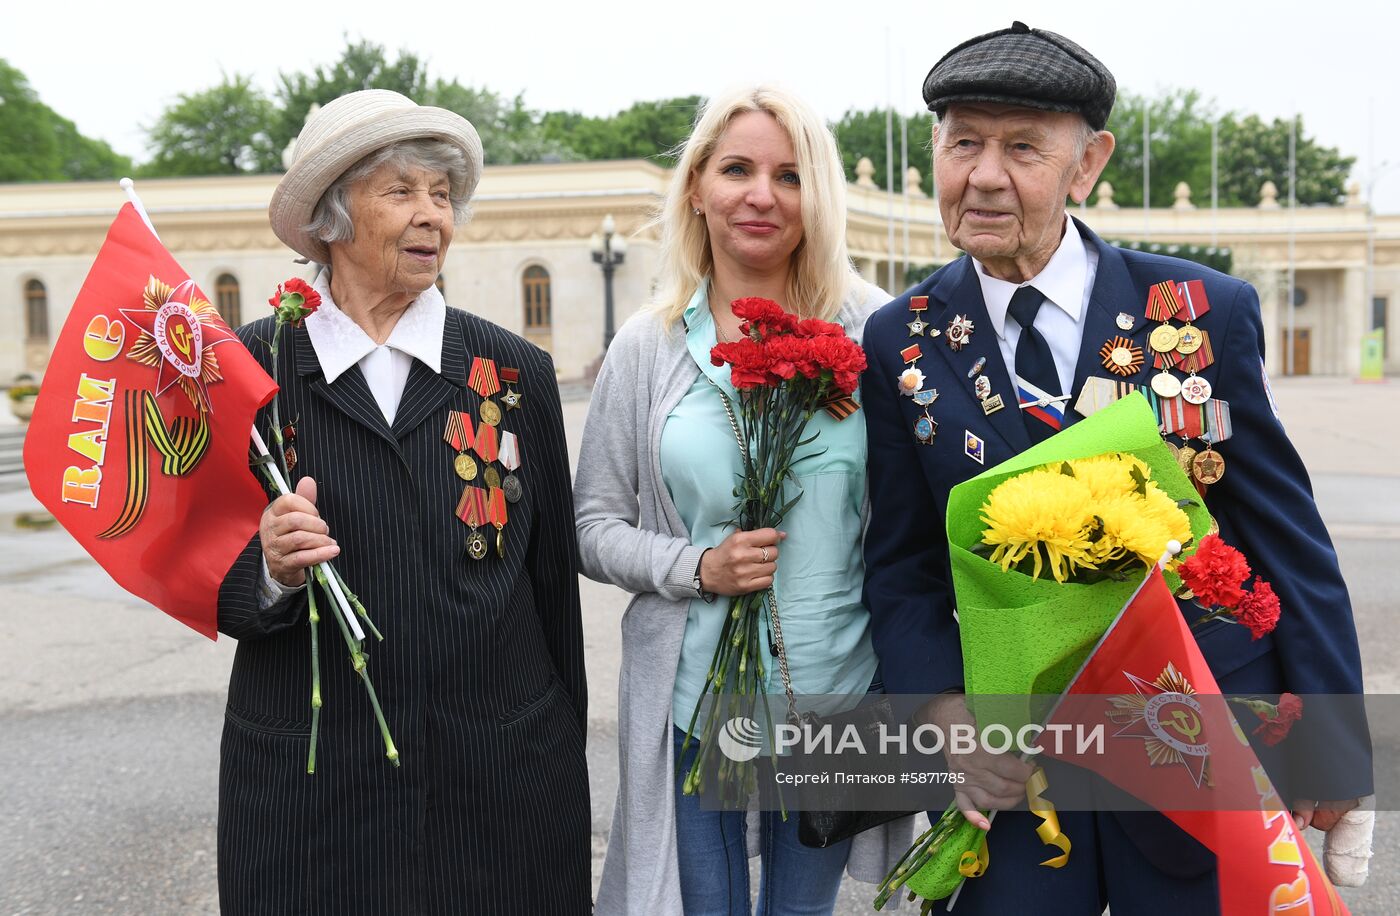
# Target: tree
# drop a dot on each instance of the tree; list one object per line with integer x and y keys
{"x": 1250, "y": 152}
{"x": 647, "y": 130}
{"x": 509, "y": 131}
{"x": 1179, "y": 123}
{"x": 862, "y": 134}
{"x": 362, "y": 65}
{"x": 36, "y": 144}
{"x": 225, "y": 130}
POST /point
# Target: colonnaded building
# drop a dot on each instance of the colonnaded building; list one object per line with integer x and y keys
{"x": 527, "y": 258}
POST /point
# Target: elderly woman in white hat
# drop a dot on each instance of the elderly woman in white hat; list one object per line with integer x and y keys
{"x": 411, "y": 425}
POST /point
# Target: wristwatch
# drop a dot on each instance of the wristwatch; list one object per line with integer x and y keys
{"x": 707, "y": 597}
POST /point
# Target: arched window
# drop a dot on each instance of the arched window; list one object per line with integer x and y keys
{"x": 535, "y": 288}
{"x": 227, "y": 299}
{"x": 36, "y": 312}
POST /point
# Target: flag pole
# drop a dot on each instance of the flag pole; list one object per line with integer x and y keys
{"x": 342, "y": 603}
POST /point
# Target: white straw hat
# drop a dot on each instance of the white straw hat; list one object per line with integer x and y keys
{"x": 344, "y": 132}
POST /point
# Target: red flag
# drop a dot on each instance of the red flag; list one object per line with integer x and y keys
{"x": 1171, "y": 740}
{"x": 139, "y": 440}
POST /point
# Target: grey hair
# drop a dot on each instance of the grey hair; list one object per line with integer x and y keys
{"x": 1084, "y": 138}
{"x": 332, "y": 221}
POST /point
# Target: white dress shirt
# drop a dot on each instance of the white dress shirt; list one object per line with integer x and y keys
{"x": 340, "y": 344}
{"x": 1067, "y": 281}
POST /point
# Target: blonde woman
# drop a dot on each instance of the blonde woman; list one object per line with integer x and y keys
{"x": 756, "y": 207}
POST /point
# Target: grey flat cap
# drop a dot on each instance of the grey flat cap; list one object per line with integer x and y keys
{"x": 1027, "y": 67}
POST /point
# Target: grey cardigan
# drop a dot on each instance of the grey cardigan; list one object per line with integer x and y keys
{"x": 630, "y": 534}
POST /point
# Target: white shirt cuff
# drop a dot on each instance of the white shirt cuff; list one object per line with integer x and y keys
{"x": 270, "y": 591}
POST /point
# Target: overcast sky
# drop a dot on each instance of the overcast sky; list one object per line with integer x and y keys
{"x": 112, "y": 68}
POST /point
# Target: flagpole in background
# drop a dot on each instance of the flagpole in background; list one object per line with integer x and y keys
{"x": 342, "y": 602}
{"x": 1146, "y": 171}
{"x": 1292, "y": 244}
{"x": 889, "y": 170}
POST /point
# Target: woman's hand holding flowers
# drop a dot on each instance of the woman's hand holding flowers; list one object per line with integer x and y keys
{"x": 744, "y": 562}
{"x": 294, "y": 536}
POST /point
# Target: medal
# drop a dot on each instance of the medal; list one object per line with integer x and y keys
{"x": 512, "y": 399}
{"x": 991, "y": 405}
{"x": 1192, "y": 296}
{"x": 1185, "y": 456}
{"x": 513, "y": 489}
{"x": 925, "y": 398}
{"x": 1164, "y": 338}
{"x": 1201, "y": 357}
{"x": 496, "y": 507}
{"x": 911, "y": 380}
{"x": 487, "y": 446}
{"x": 1166, "y": 384}
{"x": 1124, "y": 321}
{"x": 977, "y": 367}
{"x": 917, "y": 305}
{"x": 1178, "y": 417}
{"x": 492, "y": 478}
{"x": 471, "y": 509}
{"x": 1208, "y": 467}
{"x": 1162, "y": 301}
{"x": 460, "y": 436}
{"x": 925, "y": 428}
{"x": 483, "y": 380}
{"x": 1218, "y": 427}
{"x": 1121, "y": 356}
{"x": 972, "y": 447}
{"x": 982, "y": 387}
{"x": 959, "y": 332}
{"x": 289, "y": 452}
{"x": 1195, "y": 390}
{"x": 1188, "y": 341}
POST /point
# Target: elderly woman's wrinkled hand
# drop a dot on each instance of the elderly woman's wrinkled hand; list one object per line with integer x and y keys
{"x": 744, "y": 562}
{"x": 294, "y": 536}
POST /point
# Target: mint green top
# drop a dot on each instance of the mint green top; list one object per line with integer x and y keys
{"x": 826, "y": 629}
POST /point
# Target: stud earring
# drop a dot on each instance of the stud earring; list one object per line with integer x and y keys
{"x": 696, "y": 211}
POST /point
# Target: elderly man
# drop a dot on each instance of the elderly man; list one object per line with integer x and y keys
{"x": 1013, "y": 338}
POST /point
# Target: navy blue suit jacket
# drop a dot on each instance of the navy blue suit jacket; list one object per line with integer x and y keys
{"x": 1264, "y": 503}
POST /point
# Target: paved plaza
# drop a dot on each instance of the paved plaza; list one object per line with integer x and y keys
{"x": 110, "y": 712}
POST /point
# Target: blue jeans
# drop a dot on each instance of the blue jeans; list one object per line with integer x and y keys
{"x": 796, "y": 880}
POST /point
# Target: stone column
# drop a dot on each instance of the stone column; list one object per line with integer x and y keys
{"x": 1352, "y": 322}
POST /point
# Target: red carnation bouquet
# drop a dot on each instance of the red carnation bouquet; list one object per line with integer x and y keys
{"x": 785, "y": 370}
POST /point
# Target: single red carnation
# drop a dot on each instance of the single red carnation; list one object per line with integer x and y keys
{"x": 1259, "y": 610}
{"x": 789, "y": 355}
{"x": 1215, "y": 573}
{"x": 748, "y": 362}
{"x": 294, "y": 300}
{"x": 1275, "y": 728}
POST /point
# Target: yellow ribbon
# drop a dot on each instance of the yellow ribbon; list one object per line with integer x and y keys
{"x": 974, "y": 862}
{"x": 1049, "y": 827}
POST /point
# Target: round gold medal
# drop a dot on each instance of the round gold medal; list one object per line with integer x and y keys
{"x": 1121, "y": 357}
{"x": 465, "y": 466}
{"x": 1188, "y": 341}
{"x": 1165, "y": 338}
{"x": 1166, "y": 385}
{"x": 1208, "y": 467}
{"x": 1184, "y": 457}
{"x": 476, "y": 545}
{"x": 501, "y": 543}
{"x": 490, "y": 413}
{"x": 492, "y": 477}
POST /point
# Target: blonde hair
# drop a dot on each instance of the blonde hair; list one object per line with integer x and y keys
{"x": 821, "y": 271}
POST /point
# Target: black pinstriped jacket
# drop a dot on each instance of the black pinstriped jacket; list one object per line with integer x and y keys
{"x": 480, "y": 673}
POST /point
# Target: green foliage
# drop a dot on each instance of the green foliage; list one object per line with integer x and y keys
{"x": 1250, "y": 153}
{"x": 647, "y": 130}
{"x": 509, "y": 131}
{"x": 225, "y": 130}
{"x": 862, "y": 133}
{"x": 36, "y": 144}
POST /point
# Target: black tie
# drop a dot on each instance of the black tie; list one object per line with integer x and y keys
{"x": 1036, "y": 365}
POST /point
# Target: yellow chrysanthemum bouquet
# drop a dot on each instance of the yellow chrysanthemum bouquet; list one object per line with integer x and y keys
{"x": 1046, "y": 550}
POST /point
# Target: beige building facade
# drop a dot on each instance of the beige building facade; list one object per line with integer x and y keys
{"x": 525, "y": 259}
